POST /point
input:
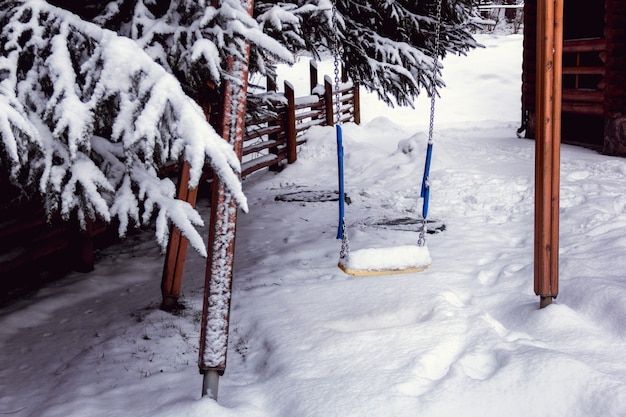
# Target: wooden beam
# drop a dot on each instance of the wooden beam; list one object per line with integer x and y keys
{"x": 176, "y": 254}
{"x": 547, "y": 151}
{"x": 222, "y": 231}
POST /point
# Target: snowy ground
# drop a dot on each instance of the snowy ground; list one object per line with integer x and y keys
{"x": 463, "y": 338}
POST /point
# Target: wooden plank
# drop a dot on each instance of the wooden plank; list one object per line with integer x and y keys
{"x": 263, "y": 162}
{"x": 258, "y": 147}
{"x": 312, "y": 114}
{"x": 255, "y": 133}
{"x": 583, "y": 70}
{"x": 582, "y": 108}
{"x": 586, "y": 96}
{"x": 584, "y": 45}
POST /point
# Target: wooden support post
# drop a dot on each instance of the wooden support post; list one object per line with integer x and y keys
{"x": 312, "y": 74}
{"x": 547, "y": 148}
{"x": 290, "y": 123}
{"x": 271, "y": 82}
{"x": 172, "y": 279}
{"x": 356, "y": 94}
{"x": 222, "y": 230}
{"x": 328, "y": 101}
{"x": 81, "y": 245}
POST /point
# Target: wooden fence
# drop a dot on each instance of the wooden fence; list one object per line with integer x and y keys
{"x": 29, "y": 243}
{"x": 274, "y": 138}
{"x": 34, "y": 248}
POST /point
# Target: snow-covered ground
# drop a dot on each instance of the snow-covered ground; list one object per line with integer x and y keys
{"x": 463, "y": 338}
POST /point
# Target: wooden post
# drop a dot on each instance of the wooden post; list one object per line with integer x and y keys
{"x": 222, "y": 231}
{"x": 271, "y": 86}
{"x": 356, "y": 97}
{"x": 271, "y": 82}
{"x": 328, "y": 101}
{"x": 547, "y": 148}
{"x": 290, "y": 123}
{"x": 172, "y": 279}
{"x": 81, "y": 245}
{"x": 312, "y": 74}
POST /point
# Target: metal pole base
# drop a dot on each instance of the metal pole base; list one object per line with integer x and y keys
{"x": 545, "y": 301}
{"x": 210, "y": 384}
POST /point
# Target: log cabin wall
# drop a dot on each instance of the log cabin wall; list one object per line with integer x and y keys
{"x": 529, "y": 64}
{"x": 594, "y": 68}
{"x": 615, "y": 79}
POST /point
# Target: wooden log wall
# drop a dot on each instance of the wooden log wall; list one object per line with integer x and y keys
{"x": 529, "y": 65}
{"x": 583, "y": 76}
{"x": 594, "y": 78}
{"x": 615, "y": 78}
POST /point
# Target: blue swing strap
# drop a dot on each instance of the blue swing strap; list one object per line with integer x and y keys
{"x": 341, "y": 228}
{"x": 342, "y": 195}
{"x": 425, "y": 193}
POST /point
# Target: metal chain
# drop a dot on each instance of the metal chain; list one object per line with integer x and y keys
{"x": 433, "y": 90}
{"x": 345, "y": 242}
{"x": 337, "y": 53}
{"x": 421, "y": 241}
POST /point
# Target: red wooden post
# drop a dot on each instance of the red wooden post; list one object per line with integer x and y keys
{"x": 222, "y": 230}
{"x": 356, "y": 103}
{"x": 547, "y": 151}
{"x": 81, "y": 245}
{"x": 172, "y": 279}
{"x": 328, "y": 101}
{"x": 290, "y": 124}
{"x": 271, "y": 82}
{"x": 312, "y": 74}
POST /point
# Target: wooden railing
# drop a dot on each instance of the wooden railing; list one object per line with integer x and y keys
{"x": 493, "y": 13}
{"x": 583, "y": 76}
{"x": 274, "y": 138}
{"x": 29, "y": 242}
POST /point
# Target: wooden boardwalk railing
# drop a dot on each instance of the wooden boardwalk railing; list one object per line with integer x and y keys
{"x": 274, "y": 138}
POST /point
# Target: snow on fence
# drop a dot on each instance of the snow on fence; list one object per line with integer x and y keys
{"x": 493, "y": 13}
{"x": 274, "y": 138}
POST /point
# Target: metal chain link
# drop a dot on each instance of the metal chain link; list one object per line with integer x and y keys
{"x": 337, "y": 54}
{"x": 345, "y": 242}
{"x": 421, "y": 240}
{"x": 433, "y": 90}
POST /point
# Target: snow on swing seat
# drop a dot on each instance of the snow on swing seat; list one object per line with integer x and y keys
{"x": 386, "y": 261}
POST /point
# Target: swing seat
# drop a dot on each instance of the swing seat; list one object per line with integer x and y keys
{"x": 386, "y": 261}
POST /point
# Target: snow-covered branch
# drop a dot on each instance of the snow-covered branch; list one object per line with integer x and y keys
{"x": 65, "y": 85}
{"x": 193, "y": 39}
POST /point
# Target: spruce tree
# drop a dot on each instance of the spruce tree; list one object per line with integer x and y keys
{"x": 387, "y": 46}
{"x": 96, "y": 96}
{"x": 88, "y": 117}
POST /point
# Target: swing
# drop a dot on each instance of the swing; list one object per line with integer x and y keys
{"x": 388, "y": 260}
